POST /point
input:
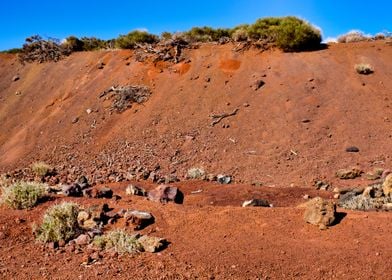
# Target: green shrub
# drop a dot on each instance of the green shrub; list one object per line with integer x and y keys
{"x": 23, "y": 195}
{"x": 13, "y": 51}
{"x": 195, "y": 173}
{"x": 135, "y": 37}
{"x": 73, "y": 44}
{"x": 240, "y": 33}
{"x": 41, "y": 168}
{"x": 118, "y": 240}
{"x": 288, "y": 33}
{"x": 206, "y": 34}
{"x": 166, "y": 36}
{"x": 364, "y": 69}
{"x": 93, "y": 44}
{"x": 60, "y": 222}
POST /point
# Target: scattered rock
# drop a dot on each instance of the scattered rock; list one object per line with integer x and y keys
{"x": 72, "y": 190}
{"x": 15, "y": 78}
{"x": 152, "y": 244}
{"x": 18, "y": 92}
{"x": 386, "y": 173}
{"x": 375, "y": 174}
{"x": 52, "y": 245}
{"x": 305, "y": 121}
{"x": 336, "y": 195}
{"x": 256, "y": 203}
{"x": 223, "y": 179}
{"x": 105, "y": 192}
{"x": 83, "y": 239}
{"x": 101, "y": 65}
{"x": 89, "y": 111}
{"x": 387, "y": 185}
{"x": 164, "y": 194}
{"x": 75, "y": 120}
{"x": 83, "y": 182}
{"x": 258, "y": 84}
{"x": 135, "y": 190}
{"x": 349, "y": 173}
{"x": 320, "y": 212}
{"x": 139, "y": 219}
{"x": 352, "y": 149}
{"x": 306, "y": 197}
{"x": 321, "y": 185}
{"x": 171, "y": 179}
{"x": 387, "y": 206}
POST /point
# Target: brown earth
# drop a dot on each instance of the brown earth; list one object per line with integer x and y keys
{"x": 285, "y": 135}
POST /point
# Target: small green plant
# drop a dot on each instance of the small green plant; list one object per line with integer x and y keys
{"x": 135, "y": 37}
{"x": 120, "y": 241}
{"x": 41, "y": 168}
{"x": 60, "y": 222}
{"x": 364, "y": 69}
{"x": 23, "y": 195}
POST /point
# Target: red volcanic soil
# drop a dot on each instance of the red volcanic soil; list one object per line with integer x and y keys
{"x": 285, "y": 135}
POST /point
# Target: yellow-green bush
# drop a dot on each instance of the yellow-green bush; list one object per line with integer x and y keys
{"x": 23, "y": 195}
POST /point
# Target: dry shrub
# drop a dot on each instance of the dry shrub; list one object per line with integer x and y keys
{"x": 60, "y": 222}
{"x": 118, "y": 240}
{"x": 364, "y": 69}
{"x": 41, "y": 168}
{"x": 124, "y": 96}
{"x": 23, "y": 195}
{"x": 353, "y": 36}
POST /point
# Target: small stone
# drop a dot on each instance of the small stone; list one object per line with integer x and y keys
{"x": 83, "y": 239}
{"x": 152, "y": 244}
{"x": 352, "y": 149}
{"x": 62, "y": 243}
{"x": 387, "y": 185}
{"x": 306, "y": 197}
{"x": 105, "y": 192}
{"x": 349, "y": 173}
{"x": 320, "y": 212}
{"x": 18, "y": 92}
{"x": 223, "y": 179}
{"x": 375, "y": 174}
{"x": 258, "y": 84}
{"x": 75, "y": 120}
{"x": 135, "y": 190}
{"x": 387, "y": 207}
{"x": 164, "y": 194}
{"x": 336, "y": 195}
{"x": 89, "y": 111}
{"x": 139, "y": 219}
{"x": 305, "y": 121}
{"x": 15, "y": 78}
{"x": 72, "y": 190}
{"x": 52, "y": 245}
{"x": 101, "y": 65}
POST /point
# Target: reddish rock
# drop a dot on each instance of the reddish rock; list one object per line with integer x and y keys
{"x": 166, "y": 194}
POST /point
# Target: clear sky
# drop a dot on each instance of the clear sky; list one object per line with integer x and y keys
{"x": 107, "y": 19}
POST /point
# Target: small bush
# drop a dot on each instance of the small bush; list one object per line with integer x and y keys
{"x": 135, "y": 37}
{"x": 73, "y": 44}
{"x": 240, "y": 33}
{"x": 364, "y": 203}
{"x": 166, "y": 36}
{"x": 118, "y": 240}
{"x": 13, "y": 51}
{"x": 364, "y": 69}
{"x": 352, "y": 36}
{"x": 23, "y": 195}
{"x": 41, "y": 168}
{"x": 196, "y": 174}
{"x": 93, "y": 44}
{"x": 206, "y": 34}
{"x": 59, "y": 223}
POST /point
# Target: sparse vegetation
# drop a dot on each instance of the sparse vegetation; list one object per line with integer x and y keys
{"x": 206, "y": 34}
{"x": 196, "y": 173}
{"x": 59, "y": 223}
{"x": 120, "y": 241}
{"x": 130, "y": 40}
{"x": 41, "y": 168}
{"x": 353, "y": 36}
{"x": 23, "y": 195}
{"x": 364, "y": 203}
{"x": 124, "y": 96}
{"x": 364, "y": 69}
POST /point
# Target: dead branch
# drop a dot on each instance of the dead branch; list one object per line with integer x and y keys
{"x": 217, "y": 118}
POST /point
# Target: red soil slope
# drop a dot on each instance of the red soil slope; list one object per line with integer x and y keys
{"x": 289, "y": 132}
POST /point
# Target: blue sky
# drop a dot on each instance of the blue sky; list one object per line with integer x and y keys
{"x": 107, "y": 19}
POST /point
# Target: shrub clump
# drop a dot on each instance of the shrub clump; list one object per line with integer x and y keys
{"x": 364, "y": 69}
{"x": 41, "y": 168}
{"x": 196, "y": 174}
{"x": 287, "y": 33}
{"x": 130, "y": 40}
{"x": 60, "y": 222}
{"x": 23, "y": 195}
{"x": 118, "y": 240}
{"x": 353, "y": 36}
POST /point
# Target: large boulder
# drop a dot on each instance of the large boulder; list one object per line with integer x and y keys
{"x": 320, "y": 212}
{"x": 387, "y": 185}
{"x": 139, "y": 219}
{"x": 164, "y": 194}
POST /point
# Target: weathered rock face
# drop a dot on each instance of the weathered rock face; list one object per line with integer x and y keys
{"x": 71, "y": 190}
{"x": 387, "y": 185}
{"x": 320, "y": 212}
{"x": 349, "y": 173}
{"x": 166, "y": 194}
{"x": 139, "y": 219}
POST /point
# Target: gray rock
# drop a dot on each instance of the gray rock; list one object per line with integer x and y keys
{"x": 223, "y": 179}
{"x": 71, "y": 190}
{"x": 83, "y": 239}
{"x": 15, "y": 78}
{"x": 105, "y": 192}
{"x": 139, "y": 219}
{"x": 352, "y": 149}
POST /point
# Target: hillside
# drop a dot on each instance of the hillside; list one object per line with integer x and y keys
{"x": 294, "y": 116}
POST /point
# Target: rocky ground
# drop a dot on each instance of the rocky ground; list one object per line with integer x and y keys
{"x": 282, "y": 128}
